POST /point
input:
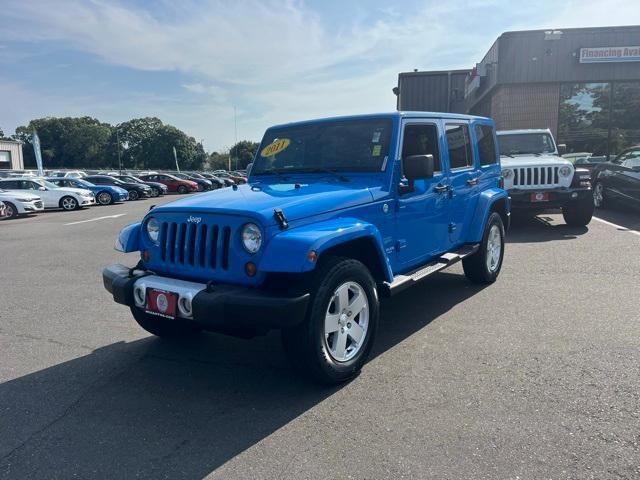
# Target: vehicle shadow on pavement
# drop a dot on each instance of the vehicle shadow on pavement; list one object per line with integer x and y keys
{"x": 153, "y": 409}
{"x": 541, "y": 228}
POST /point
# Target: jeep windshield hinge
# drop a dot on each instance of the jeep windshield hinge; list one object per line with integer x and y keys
{"x": 279, "y": 216}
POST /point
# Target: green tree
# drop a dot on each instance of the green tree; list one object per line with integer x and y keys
{"x": 242, "y": 153}
{"x": 69, "y": 142}
{"x": 1, "y": 133}
{"x": 147, "y": 143}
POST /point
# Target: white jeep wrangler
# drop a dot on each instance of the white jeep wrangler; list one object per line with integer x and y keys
{"x": 538, "y": 178}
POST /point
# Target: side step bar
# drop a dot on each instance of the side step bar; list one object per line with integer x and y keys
{"x": 401, "y": 282}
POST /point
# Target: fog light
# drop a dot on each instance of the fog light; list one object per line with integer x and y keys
{"x": 250, "y": 269}
{"x": 139, "y": 294}
{"x": 574, "y": 195}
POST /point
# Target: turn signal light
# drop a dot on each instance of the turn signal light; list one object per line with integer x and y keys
{"x": 312, "y": 256}
{"x": 146, "y": 256}
{"x": 250, "y": 269}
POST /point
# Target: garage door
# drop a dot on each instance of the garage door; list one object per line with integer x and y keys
{"x": 5, "y": 157}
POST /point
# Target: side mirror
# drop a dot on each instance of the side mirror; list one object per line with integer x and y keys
{"x": 562, "y": 149}
{"x": 418, "y": 166}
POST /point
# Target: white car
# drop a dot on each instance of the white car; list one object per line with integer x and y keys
{"x": 52, "y": 195}
{"x": 68, "y": 174}
{"x": 18, "y": 204}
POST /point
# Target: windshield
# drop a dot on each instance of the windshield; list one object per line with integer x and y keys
{"x": 179, "y": 175}
{"x": 344, "y": 146}
{"x": 82, "y": 183}
{"x": 525, "y": 143}
{"x": 129, "y": 178}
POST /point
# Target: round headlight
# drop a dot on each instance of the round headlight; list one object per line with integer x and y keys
{"x": 153, "y": 230}
{"x": 565, "y": 170}
{"x": 251, "y": 238}
{"x": 507, "y": 172}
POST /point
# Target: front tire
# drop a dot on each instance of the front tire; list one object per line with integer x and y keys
{"x": 155, "y": 192}
{"x": 333, "y": 342}
{"x": 164, "y": 327}
{"x": 578, "y": 214}
{"x": 599, "y": 200}
{"x": 104, "y": 198}
{"x": 484, "y": 266}
{"x": 11, "y": 210}
{"x": 134, "y": 195}
{"x": 182, "y": 190}
{"x": 69, "y": 203}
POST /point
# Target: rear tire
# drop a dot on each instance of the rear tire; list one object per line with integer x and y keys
{"x": 164, "y": 327}
{"x": 578, "y": 214}
{"x": 484, "y": 266}
{"x": 104, "y": 198}
{"x": 333, "y": 342}
{"x": 11, "y": 210}
{"x": 69, "y": 204}
{"x": 133, "y": 195}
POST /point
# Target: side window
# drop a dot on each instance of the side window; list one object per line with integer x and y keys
{"x": 421, "y": 140}
{"x": 458, "y": 145}
{"x": 486, "y": 145}
{"x": 27, "y": 185}
{"x": 9, "y": 185}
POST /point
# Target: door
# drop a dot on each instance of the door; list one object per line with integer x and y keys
{"x": 422, "y": 213}
{"x": 627, "y": 177}
{"x": 49, "y": 197}
{"x": 463, "y": 180}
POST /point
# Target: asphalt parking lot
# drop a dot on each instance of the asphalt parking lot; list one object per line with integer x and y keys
{"x": 536, "y": 376}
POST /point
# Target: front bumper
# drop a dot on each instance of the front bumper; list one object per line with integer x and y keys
{"x": 36, "y": 206}
{"x": 222, "y": 308}
{"x": 557, "y": 197}
{"x": 87, "y": 201}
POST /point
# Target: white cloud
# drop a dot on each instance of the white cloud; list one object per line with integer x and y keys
{"x": 275, "y": 61}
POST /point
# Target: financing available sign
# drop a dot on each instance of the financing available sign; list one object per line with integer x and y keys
{"x": 610, "y": 54}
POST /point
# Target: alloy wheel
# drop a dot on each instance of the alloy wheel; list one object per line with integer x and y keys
{"x": 69, "y": 203}
{"x": 346, "y": 321}
{"x": 598, "y": 195}
{"x": 494, "y": 248}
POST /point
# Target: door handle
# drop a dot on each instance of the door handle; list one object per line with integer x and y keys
{"x": 441, "y": 188}
{"x": 472, "y": 181}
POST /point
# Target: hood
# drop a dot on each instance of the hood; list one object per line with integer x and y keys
{"x": 260, "y": 199}
{"x": 143, "y": 186}
{"x": 533, "y": 160}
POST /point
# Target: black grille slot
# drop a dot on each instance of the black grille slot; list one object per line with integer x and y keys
{"x": 225, "y": 248}
{"x": 180, "y": 242}
{"x": 515, "y": 176}
{"x": 191, "y": 243}
{"x": 543, "y": 176}
{"x": 213, "y": 242}
{"x": 171, "y": 241}
{"x": 555, "y": 175}
{"x": 201, "y": 246}
{"x": 529, "y": 176}
{"x": 535, "y": 176}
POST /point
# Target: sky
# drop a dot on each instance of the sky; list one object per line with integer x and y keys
{"x": 207, "y": 66}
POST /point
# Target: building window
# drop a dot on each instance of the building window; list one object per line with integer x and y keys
{"x": 486, "y": 145}
{"x": 583, "y": 119}
{"x": 625, "y": 116}
{"x": 5, "y": 157}
{"x": 458, "y": 145}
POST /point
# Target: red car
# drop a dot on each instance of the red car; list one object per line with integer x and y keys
{"x": 174, "y": 184}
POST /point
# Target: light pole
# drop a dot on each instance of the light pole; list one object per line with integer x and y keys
{"x": 118, "y": 142}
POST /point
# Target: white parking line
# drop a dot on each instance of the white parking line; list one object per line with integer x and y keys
{"x": 619, "y": 227}
{"x": 96, "y": 219}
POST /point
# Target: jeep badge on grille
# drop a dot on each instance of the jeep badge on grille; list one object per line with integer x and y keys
{"x": 192, "y": 219}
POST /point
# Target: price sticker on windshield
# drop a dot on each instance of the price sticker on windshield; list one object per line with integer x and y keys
{"x": 275, "y": 147}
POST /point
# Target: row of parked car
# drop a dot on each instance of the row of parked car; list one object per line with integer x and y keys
{"x": 22, "y": 193}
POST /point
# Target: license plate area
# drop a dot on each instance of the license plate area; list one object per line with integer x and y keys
{"x": 540, "y": 197}
{"x": 161, "y": 303}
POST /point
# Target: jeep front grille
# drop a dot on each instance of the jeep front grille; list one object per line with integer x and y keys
{"x": 198, "y": 245}
{"x": 535, "y": 177}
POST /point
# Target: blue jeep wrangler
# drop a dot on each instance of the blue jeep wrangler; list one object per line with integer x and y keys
{"x": 336, "y": 214}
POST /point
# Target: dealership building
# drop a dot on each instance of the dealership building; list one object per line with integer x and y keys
{"x": 11, "y": 154}
{"x": 582, "y": 83}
